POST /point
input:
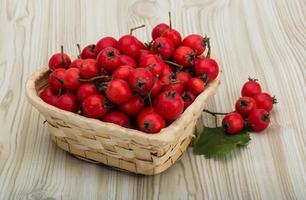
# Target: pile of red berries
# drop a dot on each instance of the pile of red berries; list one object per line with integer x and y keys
{"x": 138, "y": 85}
{"x": 252, "y": 110}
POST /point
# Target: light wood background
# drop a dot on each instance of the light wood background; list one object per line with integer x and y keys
{"x": 264, "y": 39}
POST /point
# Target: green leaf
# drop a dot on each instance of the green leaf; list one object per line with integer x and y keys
{"x": 214, "y": 142}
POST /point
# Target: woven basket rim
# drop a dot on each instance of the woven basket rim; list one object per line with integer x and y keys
{"x": 168, "y": 134}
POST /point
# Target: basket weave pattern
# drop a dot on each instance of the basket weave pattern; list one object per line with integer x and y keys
{"x": 115, "y": 146}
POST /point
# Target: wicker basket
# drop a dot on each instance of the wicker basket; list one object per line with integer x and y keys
{"x": 113, "y": 145}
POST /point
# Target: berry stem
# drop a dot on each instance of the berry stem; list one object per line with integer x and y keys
{"x": 214, "y": 113}
{"x": 62, "y": 55}
{"x": 174, "y": 64}
{"x": 170, "y": 21}
{"x": 149, "y": 93}
{"x": 208, "y": 46}
{"x": 79, "y": 50}
{"x": 135, "y": 28}
{"x": 103, "y": 77}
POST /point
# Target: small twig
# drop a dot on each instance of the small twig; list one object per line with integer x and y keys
{"x": 214, "y": 113}
{"x": 170, "y": 23}
{"x": 174, "y": 64}
{"x": 149, "y": 93}
{"x": 62, "y": 55}
{"x": 106, "y": 78}
{"x": 79, "y": 49}
{"x": 208, "y": 47}
{"x": 137, "y": 27}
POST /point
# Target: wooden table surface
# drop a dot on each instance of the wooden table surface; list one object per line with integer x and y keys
{"x": 264, "y": 39}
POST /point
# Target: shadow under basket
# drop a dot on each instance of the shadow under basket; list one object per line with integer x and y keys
{"x": 122, "y": 148}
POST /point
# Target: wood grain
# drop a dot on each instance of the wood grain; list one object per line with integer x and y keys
{"x": 263, "y": 39}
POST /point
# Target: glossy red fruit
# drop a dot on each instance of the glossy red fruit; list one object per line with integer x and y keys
{"x": 174, "y": 36}
{"x": 49, "y": 97}
{"x": 123, "y": 72}
{"x": 206, "y": 68}
{"x": 106, "y": 42}
{"x": 158, "y": 30}
{"x": 251, "y": 88}
{"x": 118, "y": 91}
{"x": 85, "y": 90}
{"x": 89, "y": 69}
{"x": 233, "y": 123}
{"x": 117, "y": 118}
{"x": 130, "y": 46}
{"x": 196, "y": 85}
{"x": 59, "y": 60}
{"x": 72, "y": 79}
{"x": 141, "y": 80}
{"x": 56, "y": 80}
{"x": 152, "y": 63}
{"x": 144, "y": 52}
{"x": 156, "y": 88}
{"x": 133, "y": 106}
{"x": 89, "y": 52}
{"x": 184, "y": 56}
{"x": 150, "y": 122}
{"x": 94, "y": 106}
{"x": 245, "y": 105}
{"x": 108, "y": 59}
{"x": 76, "y": 63}
{"x": 258, "y": 120}
{"x": 188, "y": 98}
{"x": 68, "y": 102}
{"x": 264, "y": 101}
{"x": 166, "y": 70}
{"x": 196, "y": 42}
{"x": 183, "y": 77}
{"x": 163, "y": 47}
{"x": 127, "y": 60}
{"x": 169, "y": 105}
{"x": 170, "y": 82}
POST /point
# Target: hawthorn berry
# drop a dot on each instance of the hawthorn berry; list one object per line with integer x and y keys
{"x": 106, "y": 42}
{"x": 163, "y": 46}
{"x": 233, "y": 123}
{"x": 258, "y": 120}
{"x": 59, "y": 60}
{"x": 184, "y": 56}
{"x": 89, "y": 69}
{"x": 251, "y": 88}
{"x": 89, "y": 52}
{"x": 133, "y": 106}
{"x": 245, "y": 105}
{"x": 150, "y": 122}
{"x": 117, "y": 118}
{"x": 206, "y": 68}
{"x": 141, "y": 80}
{"x": 85, "y": 90}
{"x": 118, "y": 91}
{"x": 94, "y": 106}
{"x": 68, "y": 102}
{"x": 196, "y": 85}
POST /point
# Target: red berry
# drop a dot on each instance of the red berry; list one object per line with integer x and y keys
{"x": 258, "y": 120}
{"x": 196, "y": 42}
{"x": 206, "y": 68}
{"x": 108, "y": 59}
{"x": 68, "y": 102}
{"x": 127, "y": 60}
{"x": 49, "y": 97}
{"x": 251, "y": 88}
{"x": 94, "y": 106}
{"x": 123, "y": 72}
{"x": 59, "y": 60}
{"x": 159, "y": 29}
{"x": 117, "y": 118}
{"x": 163, "y": 46}
{"x": 133, "y": 106}
{"x": 56, "y": 80}
{"x": 183, "y": 77}
{"x": 233, "y": 123}
{"x": 76, "y": 63}
{"x": 141, "y": 80}
{"x": 150, "y": 121}
{"x": 245, "y": 105}
{"x": 184, "y": 56}
{"x": 188, "y": 98}
{"x": 118, "y": 91}
{"x": 130, "y": 46}
{"x": 156, "y": 88}
{"x": 89, "y": 69}
{"x": 169, "y": 105}
{"x": 89, "y": 52}
{"x": 106, "y": 42}
{"x": 196, "y": 85}
{"x": 166, "y": 69}
{"x": 173, "y": 36}
{"x": 170, "y": 82}
{"x": 264, "y": 101}
{"x": 72, "y": 78}
{"x": 85, "y": 90}
{"x": 153, "y": 63}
